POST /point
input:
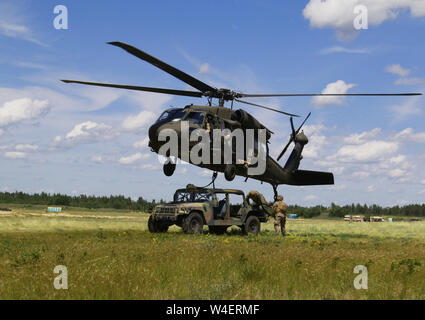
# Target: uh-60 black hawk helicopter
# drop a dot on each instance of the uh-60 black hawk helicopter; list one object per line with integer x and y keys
{"x": 221, "y": 117}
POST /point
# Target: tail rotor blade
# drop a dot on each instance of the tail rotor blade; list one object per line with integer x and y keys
{"x": 293, "y": 135}
{"x": 284, "y": 149}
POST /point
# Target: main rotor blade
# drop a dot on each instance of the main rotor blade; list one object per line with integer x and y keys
{"x": 148, "y": 89}
{"x": 260, "y": 106}
{"x": 243, "y": 95}
{"x": 201, "y": 86}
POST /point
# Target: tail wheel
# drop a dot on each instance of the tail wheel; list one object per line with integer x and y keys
{"x": 169, "y": 168}
{"x": 230, "y": 172}
{"x": 193, "y": 223}
{"x": 252, "y": 225}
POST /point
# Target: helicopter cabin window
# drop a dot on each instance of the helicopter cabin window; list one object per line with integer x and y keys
{"x": 195, "y": 118}
{"x": 172, "y": 115}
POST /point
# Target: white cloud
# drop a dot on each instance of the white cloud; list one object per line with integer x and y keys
{"x": 204, "y": 68}
{"x": 311, "y": 197}
{"x": 366, "y": 152}
{"x": 205, "y": 173}
{"x": 408, "y": 134}
{"x": 338, "y": 170}
{"x": 338, "y": 87}
{"x": 410, "y": 81}
{"x": 371, "y": 188}
{"x": 133, "y": 158}
{"x": 422, "y": 191}
{"x": 141, "y": 144}
{"x": 315, "y": 145}
{"x": 403, "y": 74}
{"x": 26, "y": 147}
{"x": 339, "y": 49}
{"x": 359, "y": 138}
{"x": 339, "y": 14}
{"x": 423, "y": 181}
{"x": 20, "y": 110}
{"x": 397, "y": 160}
{"x": 150, "y": 167}
{"x": 138, "y": 122}
{"x": 410, "y": 107}
{"x": 396, "y": 173}
{"x": 398, "y": 70}
{"x": 97, "y": 159}
{"x": 361, "y": 174}
{"x": 15, "y": 155}
{"x": 14, "y": 24}
{"x": 86, "y": 132}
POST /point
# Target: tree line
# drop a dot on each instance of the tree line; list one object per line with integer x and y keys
{"x": 126, "y": 203}
{"x": 81, "y": 201}
{"x": 412, "y": 210}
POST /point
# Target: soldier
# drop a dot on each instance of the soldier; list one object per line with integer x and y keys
{"x": 279, "y": 211}
{"x": 257, "y": 198}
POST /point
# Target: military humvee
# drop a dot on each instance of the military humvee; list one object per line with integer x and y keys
{"x": 193, "y": 207}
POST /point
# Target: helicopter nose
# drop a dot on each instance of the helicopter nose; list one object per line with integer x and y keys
{"x": 153, "y": 134}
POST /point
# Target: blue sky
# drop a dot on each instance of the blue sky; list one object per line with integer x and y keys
{"x": 73, "y": 139}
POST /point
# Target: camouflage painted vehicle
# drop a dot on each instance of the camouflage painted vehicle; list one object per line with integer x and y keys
{"x": 193, "y": 207}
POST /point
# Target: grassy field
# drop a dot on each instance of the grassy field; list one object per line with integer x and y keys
{"x": 111, "y": 255}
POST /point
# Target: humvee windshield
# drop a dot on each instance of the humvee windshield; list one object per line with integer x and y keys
{"x": 187, "y": 196}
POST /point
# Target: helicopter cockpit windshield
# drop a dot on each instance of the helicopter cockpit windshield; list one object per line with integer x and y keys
{"x": 195, "y": 118}
{"x": 172, "y": 115}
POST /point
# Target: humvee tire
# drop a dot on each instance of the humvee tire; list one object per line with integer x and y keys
{"x": 193, "y": 223}
{"x": 217, "y": 229}
{"x": 156, "y": 227}
{"x": 252, "y": 225}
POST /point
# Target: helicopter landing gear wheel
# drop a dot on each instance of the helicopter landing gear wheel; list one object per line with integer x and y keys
{"x": 169, "y": 168}
{"x": 230, "y": 172}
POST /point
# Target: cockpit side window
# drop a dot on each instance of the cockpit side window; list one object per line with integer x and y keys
{"x": 195, "y": 118}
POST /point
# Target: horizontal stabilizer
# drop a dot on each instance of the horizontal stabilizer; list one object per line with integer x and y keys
{"x": 311, "y": 178}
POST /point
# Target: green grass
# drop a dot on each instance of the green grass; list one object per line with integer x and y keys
{"x": 111, "y": 255}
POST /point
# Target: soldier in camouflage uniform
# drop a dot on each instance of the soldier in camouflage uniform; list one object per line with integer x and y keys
{"x": 279, "y": 213}
{"x": 257, "y": 198}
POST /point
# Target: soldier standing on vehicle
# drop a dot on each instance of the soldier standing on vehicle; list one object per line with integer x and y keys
{"x": 279, "y": 211}
{"x": 257, "y": 198}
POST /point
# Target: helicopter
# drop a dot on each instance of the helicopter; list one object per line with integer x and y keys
{"x": 219, "y": 117}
